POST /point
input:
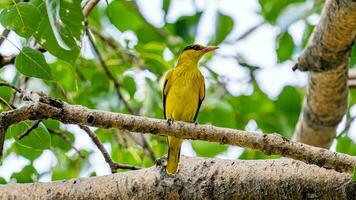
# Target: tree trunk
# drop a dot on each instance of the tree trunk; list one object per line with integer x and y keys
{"x": 327, "y": 57}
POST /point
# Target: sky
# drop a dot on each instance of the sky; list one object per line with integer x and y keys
{"x": 258, "y": 49}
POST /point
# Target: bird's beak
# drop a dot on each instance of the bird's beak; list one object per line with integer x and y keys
{"x": 210, "y": 48}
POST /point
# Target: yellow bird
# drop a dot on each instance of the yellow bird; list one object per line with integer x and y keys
{"x": 183, "y": 93}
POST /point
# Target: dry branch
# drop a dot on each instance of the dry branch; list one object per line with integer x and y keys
{"x": 200, "y": 179}
{"x": 113, "y": 165}
{"x": 326, "y": 57}
{"x": 89, "y": 6}
{"x": 47, "y": 107}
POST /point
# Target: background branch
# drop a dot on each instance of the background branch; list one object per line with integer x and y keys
{"x": 109, "y": 74}
{"x": 120, "y": 96}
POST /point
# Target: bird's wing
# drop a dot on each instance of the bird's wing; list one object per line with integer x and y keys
{"x": 201, "y": 95}
{"x": 166, "y": 86}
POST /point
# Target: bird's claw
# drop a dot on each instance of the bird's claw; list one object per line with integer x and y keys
{"x": 170, "y": 121}
{"x": 195, "y": 122}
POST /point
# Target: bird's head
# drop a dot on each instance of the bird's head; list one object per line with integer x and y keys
{"x": 196, "y": 51}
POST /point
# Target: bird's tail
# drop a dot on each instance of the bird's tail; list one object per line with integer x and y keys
{"x": 173, "y": 154}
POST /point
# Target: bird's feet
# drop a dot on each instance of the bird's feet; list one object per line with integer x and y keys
{"x": 195, "y": 122}
{"x": 169, "y": 121}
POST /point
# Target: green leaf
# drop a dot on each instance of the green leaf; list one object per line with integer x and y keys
{"x": 27, "y": 175}
{"x": 289, "y": 105}
{"x": 39, "y": 138}
{"x": 130, "y": 85}
{"x": 5, "y": 92}
{"x": 213, "y": 108}
{"x": 26, "y": 152}
{"x": 306, "y": 35}
{"x": 354, "y": 174}
{"x": 186, "y": 27}
{"x": 256, "y": 155}
{"x": 23, "y": 18}
{"x": 123, "y": 16}
{"x": 353, "y": 56}
{"x": 57, "y": 141}
{"x": 68, "y": 167}
{"x": 60, "y": 36}
{"x": 285, "y": 47}
{"x": 165, "y": 6}
{"x": 224, "y": 25}
{"x": 72, "y": 16}
{"x": 208, "y": 149}
{"x": 33, "y": 64}
{"x": 346, "y": 145}
{"x": 271, "y": 9}
{"x": 2, "y": 180}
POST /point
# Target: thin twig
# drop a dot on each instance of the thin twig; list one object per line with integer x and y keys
{"x": 146, "y": 145}
{"x": 4, "y": 35}
{"x": 89, "y": 6}
{"x": 10, "y": 86}
{"x": 7, "y": 104}
{"x": 67, "y": 140}
{"x": 113, "y": 166}
{"x": 347, "y": 127}
{"x": 160, "y": 31}
{"x": 249, "y": 31}
{"x": 6, "y": 60}
{"x": 126, "y": 56}
{"x": 31, "y": 128}
{"x": 2, "y": 139}
{"x": 109, "y": 74}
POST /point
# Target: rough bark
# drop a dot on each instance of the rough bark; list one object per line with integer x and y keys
{"x": 326, "y": 57}
{"x": 200, "y": 178}
{"x": 47, "y": 107}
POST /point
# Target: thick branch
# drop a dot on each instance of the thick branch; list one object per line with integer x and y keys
{"x": 200, "y": 179}
{"x": 269, "y": 144}
{"x": 326, "y": 57}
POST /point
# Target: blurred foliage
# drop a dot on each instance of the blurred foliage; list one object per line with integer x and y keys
{"x": 135, "y": 52}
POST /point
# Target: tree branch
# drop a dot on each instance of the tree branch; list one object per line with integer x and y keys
{"x": 47, "y": 107}
{"x": 4, "y": 35}
{"x": 110, "y": 75}
{"x": 89, "y": 6}
{"x": 31, "y": 128}
{"x": 326, "y": 57}
{"x": 200, "y": 179}
{"x": 113, "y": 166}
{"x": 117, "y": 89}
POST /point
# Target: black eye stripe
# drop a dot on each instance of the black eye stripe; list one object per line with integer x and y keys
{"x": 193, "y": 47}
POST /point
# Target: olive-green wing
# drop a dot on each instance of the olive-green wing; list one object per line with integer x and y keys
{"x": 166, "y": 86}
